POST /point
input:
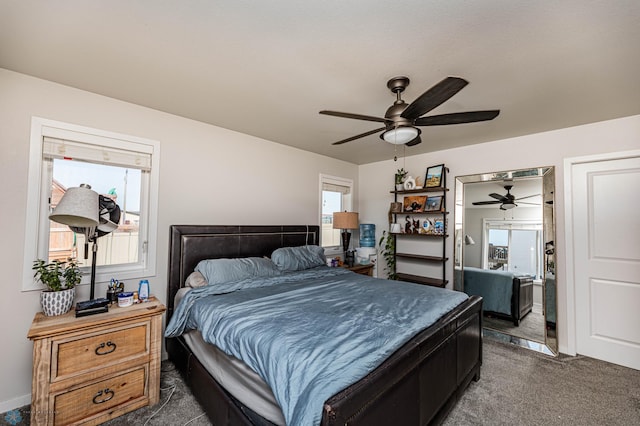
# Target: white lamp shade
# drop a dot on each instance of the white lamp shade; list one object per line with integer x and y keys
{"x": 400, "y": 135}
{"x": 78, "y": 207}
{"x": 345, "y": 220}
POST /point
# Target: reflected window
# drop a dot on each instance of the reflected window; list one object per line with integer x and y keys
{"x": 513, "y": 246}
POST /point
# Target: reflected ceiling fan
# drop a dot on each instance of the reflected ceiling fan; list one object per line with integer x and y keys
{"x": 401, "y": 119}
{"x": 507, "y": 201}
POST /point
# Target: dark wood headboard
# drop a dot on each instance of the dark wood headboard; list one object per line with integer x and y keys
{"x": 189, "y": 244}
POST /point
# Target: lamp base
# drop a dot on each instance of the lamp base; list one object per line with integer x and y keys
{"x": 346, "y": 237}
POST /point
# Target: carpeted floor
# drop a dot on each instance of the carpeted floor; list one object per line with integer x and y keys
{"x": 517, "y": 387}
{"x": 522, "y": 387}
{"x": 531, "y": 327}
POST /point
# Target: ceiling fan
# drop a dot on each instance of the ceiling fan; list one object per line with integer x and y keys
{"x": 507, "y": 201}
{"x": 401, "y": 119}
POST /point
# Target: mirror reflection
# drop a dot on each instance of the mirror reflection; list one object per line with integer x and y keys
{"x": 504, "y": 251}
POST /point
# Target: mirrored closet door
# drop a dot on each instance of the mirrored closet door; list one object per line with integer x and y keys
{"x": 505, "y": 252}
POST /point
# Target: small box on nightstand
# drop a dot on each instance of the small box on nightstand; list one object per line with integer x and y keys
{"x": 361, "y": 269}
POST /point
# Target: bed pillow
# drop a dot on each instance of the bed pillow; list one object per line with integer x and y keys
{"x": 298, "y": 258}
{"x": 218, "y": 271}
{"x": 195, "y": 280}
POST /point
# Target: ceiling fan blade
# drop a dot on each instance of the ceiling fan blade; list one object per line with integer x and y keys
{"x": 484, "y": 203}
{"x": 528, "y": 196}
{"x": 354, "y": 116}
{"x": 499, "y": 197}
{"x": 434, "y": 97}
{"x": 457, "y": 118}
{"x": 362, "y": 135}
{"x": 526, "y": 202}
{"x": 414, "y": 142}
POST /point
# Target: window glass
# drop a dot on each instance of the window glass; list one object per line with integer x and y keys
{"x": 499, "y": 249}
{"x": 331, "y": 203}
{"x": 121, "y": 184}
{"x": 336, "y": 196}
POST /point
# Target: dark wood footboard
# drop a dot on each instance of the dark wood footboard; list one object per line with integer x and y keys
{"x": 422, "y": 381}
{"x": 522, "y": 298}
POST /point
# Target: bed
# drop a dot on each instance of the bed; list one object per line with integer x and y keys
{"x": 505, "y": 294}
{"x": 417, "y": 384}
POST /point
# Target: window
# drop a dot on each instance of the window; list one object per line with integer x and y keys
{"x": 514, "y": 246}
{"x": 336, "y": 196}
{"x": 123, "y": 168}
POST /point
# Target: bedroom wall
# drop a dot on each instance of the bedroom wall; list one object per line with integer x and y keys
{"x": 207, "y": 175}
{"x": 536, "y": 150}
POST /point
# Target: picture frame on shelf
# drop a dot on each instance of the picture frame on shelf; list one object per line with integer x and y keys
{"x": 414, "y": 204}
{"x": 433, "y": 204}
{"x": 433, "y": 177}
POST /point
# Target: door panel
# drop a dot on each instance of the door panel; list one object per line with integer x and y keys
{"x": 606, "y": 228}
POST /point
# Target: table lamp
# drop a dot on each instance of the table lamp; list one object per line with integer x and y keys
{"x": 79, "y": 208}
{"x": 345, "y": 221}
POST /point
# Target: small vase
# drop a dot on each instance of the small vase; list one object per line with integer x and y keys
{"x": 399, "y": 186}
{"x": 57, "y": 302}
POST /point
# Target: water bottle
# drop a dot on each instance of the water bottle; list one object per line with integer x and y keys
{"x": 143, "y": 290}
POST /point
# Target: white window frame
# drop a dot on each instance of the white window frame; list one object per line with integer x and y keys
{"x": 37, "y": 221}
{"x": 347, "y": 204}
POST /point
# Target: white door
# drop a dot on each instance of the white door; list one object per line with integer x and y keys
{"x": 606, "y": 242}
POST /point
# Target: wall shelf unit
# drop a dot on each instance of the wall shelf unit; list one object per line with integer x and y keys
{"x": 420, "y": 254}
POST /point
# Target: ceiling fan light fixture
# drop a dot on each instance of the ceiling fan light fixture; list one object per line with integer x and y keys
{"x": 508, "y": 205}
{"x": 401, "y": 135}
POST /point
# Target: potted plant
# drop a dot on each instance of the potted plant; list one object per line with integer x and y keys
{"x": 387, "y": 246}
{"x": 60, "y": 278}
{"x": 401, "y": 175}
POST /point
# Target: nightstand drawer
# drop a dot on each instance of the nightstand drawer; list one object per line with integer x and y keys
{"x": 96, "y": 351}
{"x": 97, "y": 397}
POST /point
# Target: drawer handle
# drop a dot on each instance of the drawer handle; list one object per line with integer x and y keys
{"x": 110, "y": 345}
{"x": 109, "y": 394}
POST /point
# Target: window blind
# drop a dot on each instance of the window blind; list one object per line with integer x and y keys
{"x": 54, "y": 148}
{"x": 335, "y": 188}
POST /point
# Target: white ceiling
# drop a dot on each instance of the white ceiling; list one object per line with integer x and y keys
{"x": 265, "y": 68}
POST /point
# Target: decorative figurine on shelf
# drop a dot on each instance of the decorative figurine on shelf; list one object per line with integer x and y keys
{"x": 416, "y": 226}
{"x": 428, "y": 226}
{"x": 407, "y": 225}
{"x": 409, "y": 183}
{"x": 418, "y": 183}
{"x": 424, "y": 227}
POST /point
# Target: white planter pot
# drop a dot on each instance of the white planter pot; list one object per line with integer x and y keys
{"x": 57, "y": 302}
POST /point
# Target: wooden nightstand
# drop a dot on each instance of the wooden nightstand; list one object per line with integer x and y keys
{"x": 361, "y": 269}
{"x": 92, "y": 369}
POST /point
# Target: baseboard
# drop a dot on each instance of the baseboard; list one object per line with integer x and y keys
{"x": 14, "y": 403}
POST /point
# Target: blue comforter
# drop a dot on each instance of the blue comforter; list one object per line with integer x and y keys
{"x": 312, "y": 333}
